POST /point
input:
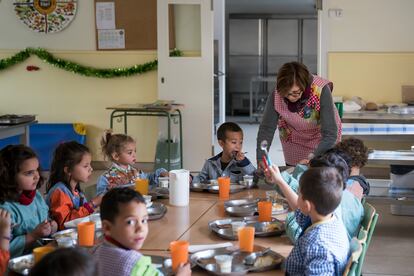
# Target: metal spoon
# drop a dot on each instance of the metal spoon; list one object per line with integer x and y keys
{"x": 263, "y": 147}
{"x": 251, "y": 258}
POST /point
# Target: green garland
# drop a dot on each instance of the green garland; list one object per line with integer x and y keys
{"x": 81, "y": 69}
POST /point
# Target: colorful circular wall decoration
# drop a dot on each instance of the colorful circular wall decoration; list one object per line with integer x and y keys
{"x": 46, "y": 16}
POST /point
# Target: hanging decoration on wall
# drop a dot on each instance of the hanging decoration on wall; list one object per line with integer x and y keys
{"x": 46, "y": 16}
{"x": 81, "y": 69}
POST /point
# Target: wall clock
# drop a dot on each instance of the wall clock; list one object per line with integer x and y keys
{"x": 46, "y": 16}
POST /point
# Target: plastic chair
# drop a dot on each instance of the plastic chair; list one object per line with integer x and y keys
{"x": 368, "y": 224}
{"x": 357, "y": 247}
{"x": 369, "y": 221}
{"x": 356, "y": 258}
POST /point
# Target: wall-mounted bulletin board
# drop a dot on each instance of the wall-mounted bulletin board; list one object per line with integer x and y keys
{"x": 138, "y": 20}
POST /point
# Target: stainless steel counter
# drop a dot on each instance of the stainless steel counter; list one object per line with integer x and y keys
{"x": 395, "y": 157}
{"x": 377, "y": 117}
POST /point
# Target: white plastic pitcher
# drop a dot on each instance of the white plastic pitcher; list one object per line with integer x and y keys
{"x": 179, "y": 187}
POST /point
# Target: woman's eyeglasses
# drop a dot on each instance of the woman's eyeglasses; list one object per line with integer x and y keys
{"x": 294, "y": 93}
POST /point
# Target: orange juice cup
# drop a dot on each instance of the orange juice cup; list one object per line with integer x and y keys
{"x": 224, "y": 187}
{"x": 40, "y": 252}
{"x": 86, "y": 233}
{"x": 265, "y": 210}
{"x": 246, "y": 239}
{"x": 179, "y": 253}
{"x": 141, "y": 186}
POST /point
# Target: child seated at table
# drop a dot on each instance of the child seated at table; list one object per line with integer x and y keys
{"x": 66, "y": 262}
{"x": 231, "y": 161}
{"x": 5, "y": 225}
{"x": 350, "y": 209}
{"x": 323, "y": 246}
{"x": 71, "y": 165}
{"x": 358, "y": 153}
{"x": 121, "y": 150}
{"x": 125, "y": 226}
{"x": 20, "y": 179}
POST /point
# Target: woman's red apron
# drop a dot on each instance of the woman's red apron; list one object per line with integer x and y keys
{"x": 300, "y": 133}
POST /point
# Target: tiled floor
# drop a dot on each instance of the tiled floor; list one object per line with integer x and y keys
{"x": 392, "y": 248}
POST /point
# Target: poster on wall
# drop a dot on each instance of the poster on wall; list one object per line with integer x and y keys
{"x": 46, "y": 16}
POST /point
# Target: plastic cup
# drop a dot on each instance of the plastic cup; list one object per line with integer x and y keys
{"x": 340, "y": 107}
{"x": 246, "y": 239}
{"x": 86, "y": 233}
{"x": 248, "y": 180}
{"x": 236, "y": 225}
{"x": 265, "y": 210}
{"x": 179, "y": 253}
{"x": 40, "y": 252}
{"x": 141, "y": 186}
{"x": 224, "y": 263}
{"x": 224, "y": 187}
{"x": 163, "y": 182}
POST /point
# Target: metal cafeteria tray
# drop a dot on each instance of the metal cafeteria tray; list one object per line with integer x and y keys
{"x": 248, "y": 207}
{"x": 199, "y": 187}
{"x": 241, "y": 202}
{"x": 163, "y": 264}
{"x": 241, "y": 211}
{"x": 13, "y": 119}
{"x": 222, "y": 227}
{"x": 234, "y": 188}
{"x": 159, "y": 192}
{"x": 22, "y": 264}
{"x": 156, "y": 211}
{"x": 67, "y": 233}
{"x": 205, "y": 259}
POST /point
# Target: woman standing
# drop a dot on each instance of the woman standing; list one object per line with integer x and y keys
{"x": 303, "y": 110}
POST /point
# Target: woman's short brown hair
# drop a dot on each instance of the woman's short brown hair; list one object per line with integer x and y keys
{"x": 292, "y": 73}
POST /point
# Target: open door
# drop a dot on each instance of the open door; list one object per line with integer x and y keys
{"x": 188, "y": 26}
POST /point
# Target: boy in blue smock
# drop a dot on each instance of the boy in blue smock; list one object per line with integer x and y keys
{"x": 323, "y": 246}
{"x": 231, "y": 161}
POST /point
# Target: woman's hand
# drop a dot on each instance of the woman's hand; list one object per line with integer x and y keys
{"x": 304, "y": 162}
{"x": 184, "y": 270}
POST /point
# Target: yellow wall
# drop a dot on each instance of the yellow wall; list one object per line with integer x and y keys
{"x": 375, "y": 77}
{"x": 57, "y": 96}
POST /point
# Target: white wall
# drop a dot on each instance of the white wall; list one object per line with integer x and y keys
{"x": 367, "y": 26}
{"x": 79, "y": 35}
{"x": 58, "y": 96}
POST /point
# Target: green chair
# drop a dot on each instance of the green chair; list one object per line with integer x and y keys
{"x": 357, "y": 247}
{"x": 367, "y": 225}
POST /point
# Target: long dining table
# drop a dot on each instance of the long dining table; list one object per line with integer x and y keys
{"x": 190, "y": 223}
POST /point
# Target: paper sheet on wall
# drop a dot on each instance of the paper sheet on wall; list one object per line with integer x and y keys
{"x": 111, "y": 39}
{"x": 105, "y": 15}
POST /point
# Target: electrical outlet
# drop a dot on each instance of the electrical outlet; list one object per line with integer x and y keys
{"x": 335, "y": 13}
